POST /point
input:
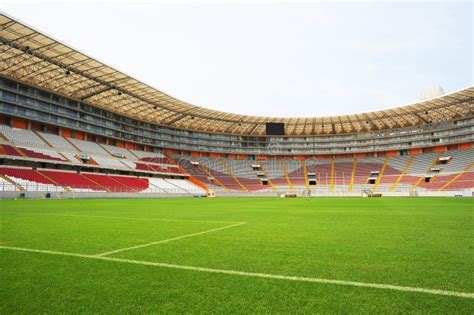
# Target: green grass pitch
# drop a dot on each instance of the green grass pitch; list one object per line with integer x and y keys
{"x": 237, "y": 255}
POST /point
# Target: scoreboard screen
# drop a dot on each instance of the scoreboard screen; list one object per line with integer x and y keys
{"x": 275, "y": 129}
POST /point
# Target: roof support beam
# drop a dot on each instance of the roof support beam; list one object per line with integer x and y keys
{"x": 252, "y": 129}
{"x": 67, "y": 67}
{"x": 96, "y": 92}
{"x": 176, "y": 118}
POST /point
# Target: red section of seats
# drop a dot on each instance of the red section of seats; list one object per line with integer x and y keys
{"x": 342, "y": 173}
{"x": 148, "y": 167}
{"x": 159, "y": 160}
{"x": 9, "y": 150}
{"x": 25, "y": 174}
{"x": 106, "y": 181}
{"x": 73, "y": 180}
{"x": 363, "y": 171}
{"x": 136, "y": 184}
{"x": 37, "y": 155}
{"x": 465, "y": 181}
{"x": 322, "y": 171}
{"x": 390, "y": 175}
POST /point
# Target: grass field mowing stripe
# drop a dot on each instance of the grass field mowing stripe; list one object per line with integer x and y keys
{"x": 118, "y": 218}
{"x": 254, "y": 274}
{"x": 168, "y": 240}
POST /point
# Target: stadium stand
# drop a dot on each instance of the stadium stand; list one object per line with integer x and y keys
{"x": 58, "y": 142}
{"x": 225, "y": 174}
{"x": 80, "y": 131}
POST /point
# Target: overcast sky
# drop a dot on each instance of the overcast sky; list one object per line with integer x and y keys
{"x": 273, "y": 59}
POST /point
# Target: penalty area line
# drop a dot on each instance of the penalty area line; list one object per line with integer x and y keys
{"x": 168, "y": 240}
{"x": 255, "y": 274}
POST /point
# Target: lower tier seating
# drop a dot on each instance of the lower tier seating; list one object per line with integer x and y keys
{"x": 27, "y": 179}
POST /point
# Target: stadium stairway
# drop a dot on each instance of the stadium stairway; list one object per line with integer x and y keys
{"x": 270, "y": 183}
{"x": 131, "y": 152}
{"x": 43, "y": 139}
{"x": 72, "y": 144}
{"x": 463, "y": 181}
{"x": 379, "y": 177}
{"x": 402, "y": 174}
{"x": 219, "y": 179}
{"x": 354, "y": 167}
{"x": 107, "y": 182}
{"x": 2, "y": 137}
{"x": 427, "y": 171}
{"x": 305, "y": 174}
{"x": 229, "y": 171}
{"x": 96, "y": 183}
{"x": 457, "y": 176}
{"x": 285, "y": 172}
{"x": 331, "y": 180}
{"x": 11, "y": 181}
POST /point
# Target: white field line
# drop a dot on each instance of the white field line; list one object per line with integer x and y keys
{"x": 168, "y": 240}
{"x": 255, "y": 274}
{"x": 118, "y": 218}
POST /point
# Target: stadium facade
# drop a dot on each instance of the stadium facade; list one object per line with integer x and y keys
{"x": 70, "y": 125}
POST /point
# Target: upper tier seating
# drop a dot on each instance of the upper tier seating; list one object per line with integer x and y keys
{"x": 197, "y": 173}
{"x": 398, "y": 162}
{"x": 129, "y": 164}
{"x": 58, "y": 142}
{"x": 144, "y": 154}
{"x": 295, "y": 172}
{"x": 89, "y": 147}
{"x": 393, "y": 170}
{"x": 71, "y": 156}
{"x": 275, "y": 172}
{"x": 217, "y": 169}
{"x": 28, "y": 144}
{"x": 126, "y": 153}
{"x": 22, "y": 137}
{"x": 107, "y": 161}
{"x": 460, "y": 159}
{"x": 421, "y": 163}
{"x": 242, "y": 169}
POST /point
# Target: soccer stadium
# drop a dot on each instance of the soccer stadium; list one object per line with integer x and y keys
{"x": 119, "y": 198}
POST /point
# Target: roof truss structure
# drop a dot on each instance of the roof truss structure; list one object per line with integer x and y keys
{"x": 36, "y": 59}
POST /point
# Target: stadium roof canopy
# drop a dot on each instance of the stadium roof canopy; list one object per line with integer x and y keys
{"x": 34, "y": 58}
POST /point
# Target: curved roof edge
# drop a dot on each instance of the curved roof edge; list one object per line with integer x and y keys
{"x": 30, "y": 56}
